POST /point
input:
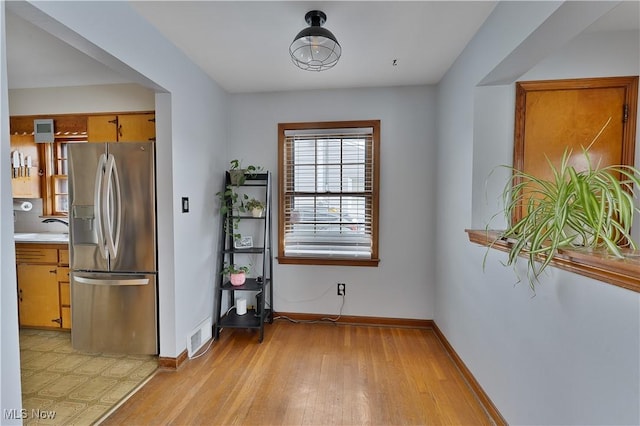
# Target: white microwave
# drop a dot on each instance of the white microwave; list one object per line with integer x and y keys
{"x": 43, "y": 130}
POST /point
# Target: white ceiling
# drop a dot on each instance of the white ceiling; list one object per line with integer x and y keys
{"x": 244, "y": 45}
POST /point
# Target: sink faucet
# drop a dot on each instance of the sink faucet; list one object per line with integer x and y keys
{"x": 52, "y": 219}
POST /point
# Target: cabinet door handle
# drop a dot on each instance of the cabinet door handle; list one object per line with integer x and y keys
{"x": 53, "y": 271}
{"x": 58, "y": 320}
{"x": 120, "y": 130}
{"x": 20, "y": 295}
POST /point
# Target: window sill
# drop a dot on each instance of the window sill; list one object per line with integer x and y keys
{"x": 623, "y": 273}
{"x": 326, "y": 261}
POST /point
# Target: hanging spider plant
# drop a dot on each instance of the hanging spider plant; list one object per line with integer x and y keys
{"x": 591, "y": 209}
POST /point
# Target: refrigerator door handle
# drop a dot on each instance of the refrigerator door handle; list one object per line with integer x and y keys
{"x": 112, "y": 207}
{"x": 97, "y": 202}
{"x": 119, "y": 282}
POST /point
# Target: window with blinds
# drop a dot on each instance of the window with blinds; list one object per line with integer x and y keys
{"x": 328, "y": 193}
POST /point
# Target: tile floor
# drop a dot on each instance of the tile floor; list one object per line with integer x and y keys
{"x": 62, "y": 386}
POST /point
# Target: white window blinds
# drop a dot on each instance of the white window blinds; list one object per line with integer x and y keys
{"x": 328, "y": 190}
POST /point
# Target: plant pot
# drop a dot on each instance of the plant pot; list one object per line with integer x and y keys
{"x": 257, "y": 212}
{"x": 236, "y": 177}
{"x": 237, "y": 279}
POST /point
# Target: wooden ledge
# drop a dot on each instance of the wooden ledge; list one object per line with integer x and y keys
{"x": 601, "y": 266}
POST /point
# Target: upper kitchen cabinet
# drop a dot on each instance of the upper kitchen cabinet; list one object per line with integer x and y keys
{"x": 139, "y": 127}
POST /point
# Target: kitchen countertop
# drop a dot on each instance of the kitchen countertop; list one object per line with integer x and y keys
{"x": 41, "y": 237}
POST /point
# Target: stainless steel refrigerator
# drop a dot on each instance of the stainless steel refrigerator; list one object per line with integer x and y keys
{"x": 112, "y": 241}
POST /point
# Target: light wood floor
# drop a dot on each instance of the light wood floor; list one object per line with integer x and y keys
{"x": 310, "y": 374}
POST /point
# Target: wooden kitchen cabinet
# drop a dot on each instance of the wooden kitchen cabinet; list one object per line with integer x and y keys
{"x": 44, "y": 299}
{"x": 38, "y": 295}
{"x": 102, "y": 128}
{"x": 137, "y": 128}
{"x": 121, "y": 128}
{"x": 63, "y": 257}
{"x": 64, "y": 289}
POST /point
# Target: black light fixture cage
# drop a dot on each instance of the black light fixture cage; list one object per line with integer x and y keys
{"x": 315, "y": 48}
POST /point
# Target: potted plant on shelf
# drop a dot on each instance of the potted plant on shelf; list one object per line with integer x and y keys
{"x": 237, "y": 274}
{"x": 256, "y": 207}
{"x": 237, "y": 174}
{"x": 230, "y": 198}
{"x": 591, "y": 210}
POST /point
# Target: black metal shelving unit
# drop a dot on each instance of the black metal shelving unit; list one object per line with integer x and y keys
{"x": 259, "y": 287}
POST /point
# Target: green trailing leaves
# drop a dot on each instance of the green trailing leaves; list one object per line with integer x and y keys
{"x": 591, "y": 209}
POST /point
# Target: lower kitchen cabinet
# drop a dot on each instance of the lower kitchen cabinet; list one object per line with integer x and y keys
{"x": 44, "y": 298}
{"x": 38, "y": 295}
{"x": 65, "y": 296}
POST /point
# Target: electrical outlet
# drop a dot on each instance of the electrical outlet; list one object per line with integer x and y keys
{"x": 342, "y": 289}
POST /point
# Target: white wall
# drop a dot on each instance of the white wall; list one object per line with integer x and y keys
{"x": 598, "y": 54}
{"x": 402, "y": 285}
{"x": 10, "y": 388}
{"x": 74, "y": 99}
{"x": 569, "y": 355}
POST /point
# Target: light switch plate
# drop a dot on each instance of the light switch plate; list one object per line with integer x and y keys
{"x": 185, "y": 204}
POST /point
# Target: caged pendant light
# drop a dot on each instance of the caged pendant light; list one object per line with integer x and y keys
{"x": 315, "y": 48}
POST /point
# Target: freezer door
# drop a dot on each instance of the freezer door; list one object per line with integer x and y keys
{"x": 114, "y": 313}
{"x": 85, "y": 235}
{"x": 130, "y": 211}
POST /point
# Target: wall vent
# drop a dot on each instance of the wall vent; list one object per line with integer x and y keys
{"x": 199, "y": 337}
